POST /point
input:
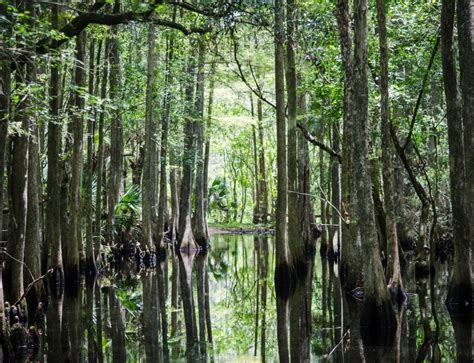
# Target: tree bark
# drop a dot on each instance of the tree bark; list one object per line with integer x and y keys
{"x": 200, "y": 232}
{"x": 351, "y": 267}
{"x": 149, "y": 172}
{"x": 53, "y": 202}
{"x": 33, "y": 236}
{"x": 282, "y": 269}
{"x": 388, "y": 153}
{"x": 74, "y": 247}
{"x": 377, "y": 309}
{"x": 262, "y": 176}
{"x": 459, "y": 291}
{"x": 465, "y": 17}
{"x": 100, "y": 152}
{"x": 185, "y": 235}
{"x": 207, "y": 146}
{"x": 116, "y": 133}
{"x": 163, "y": 218}
{"x": 18, "y": 199}
{"x": 88, "y": 208}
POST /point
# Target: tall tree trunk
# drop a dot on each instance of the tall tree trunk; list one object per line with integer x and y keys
{"x": 174, "y": 190}
{"x": 257, "y": 218}
{"x": 33, "y": 240}
{"x": 388, "y": 153}
{"x": 53, "y": 202}
{"x": 200, "y": 232}
{"x": 33, "y": 234}
{"x": 299, "y": 343}
{"x": 262, "y": 176}
{"x": 75, "y": 245}
{"x": 100, "y": 152}
{"x": 463, "y": 271}
{"x": 282, "y": 269}
{"x": 459, "y": 291}
{"x": 18, "y": 196}
{"x": 207, "y": 146}
{"x": 163, "y": 219}
{"x": 335, "y": 235}
{"x": 377, "y": 314}
{"x": 350, "y": 252}
{"x": 88, "y": 205}
{"x": 185, "y": 235}
{"x": 5, "y": 80}
{"x": 149, "y": 175}
{"x": 116, "y": 133}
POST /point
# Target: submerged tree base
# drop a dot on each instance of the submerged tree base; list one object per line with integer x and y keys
{"x": 460, "y": 299}
{"x": 378, "y": 323}
{"x": 285, "y": 281}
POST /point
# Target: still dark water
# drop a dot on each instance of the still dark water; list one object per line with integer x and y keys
{"x": 230, "y": 297}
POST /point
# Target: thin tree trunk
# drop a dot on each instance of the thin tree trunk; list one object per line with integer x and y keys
{"x": 163, "y": 224}
{"x": 388, "y": 153}
{"x": 174, "y": 222}
{"x": 33, "y": 241}
{"x": 100, "y": 152}
{"x": 256, "y": 210}
{"x": 459, "y": 290}
{"x": 282, "y": 269}
{"x": 262, "y": 176}
{"x": 116, "y": 134}
{"x": 75, "y": 245}
{"x": 149, "y": 175}
{"x": 174, "y": 296}
{"x": 88, "y": 209}
{"x": 186, "y": 239}
{"x": 54, "y": 178}
{"x": 200, "y": 232}
{"x": 207, "y": 146}
{"x": 13, "y": 272}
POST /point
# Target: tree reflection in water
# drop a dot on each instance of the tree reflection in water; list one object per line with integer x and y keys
{"x": 221, "y": 306}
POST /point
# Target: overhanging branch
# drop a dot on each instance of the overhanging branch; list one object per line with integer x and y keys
{"x": 80, "y": 22}
{"x": 313, "y": 140}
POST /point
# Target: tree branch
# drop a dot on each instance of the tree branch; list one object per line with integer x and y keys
{"x": 312, "y": 139}
{"x": 258, "y": 91}
{"x": 32, "y": 283}
{"x": 80, "y": 22}
{"x": 422, "y": 90}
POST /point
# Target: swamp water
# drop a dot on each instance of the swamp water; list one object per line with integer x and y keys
{"x": 229, "y": 297}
